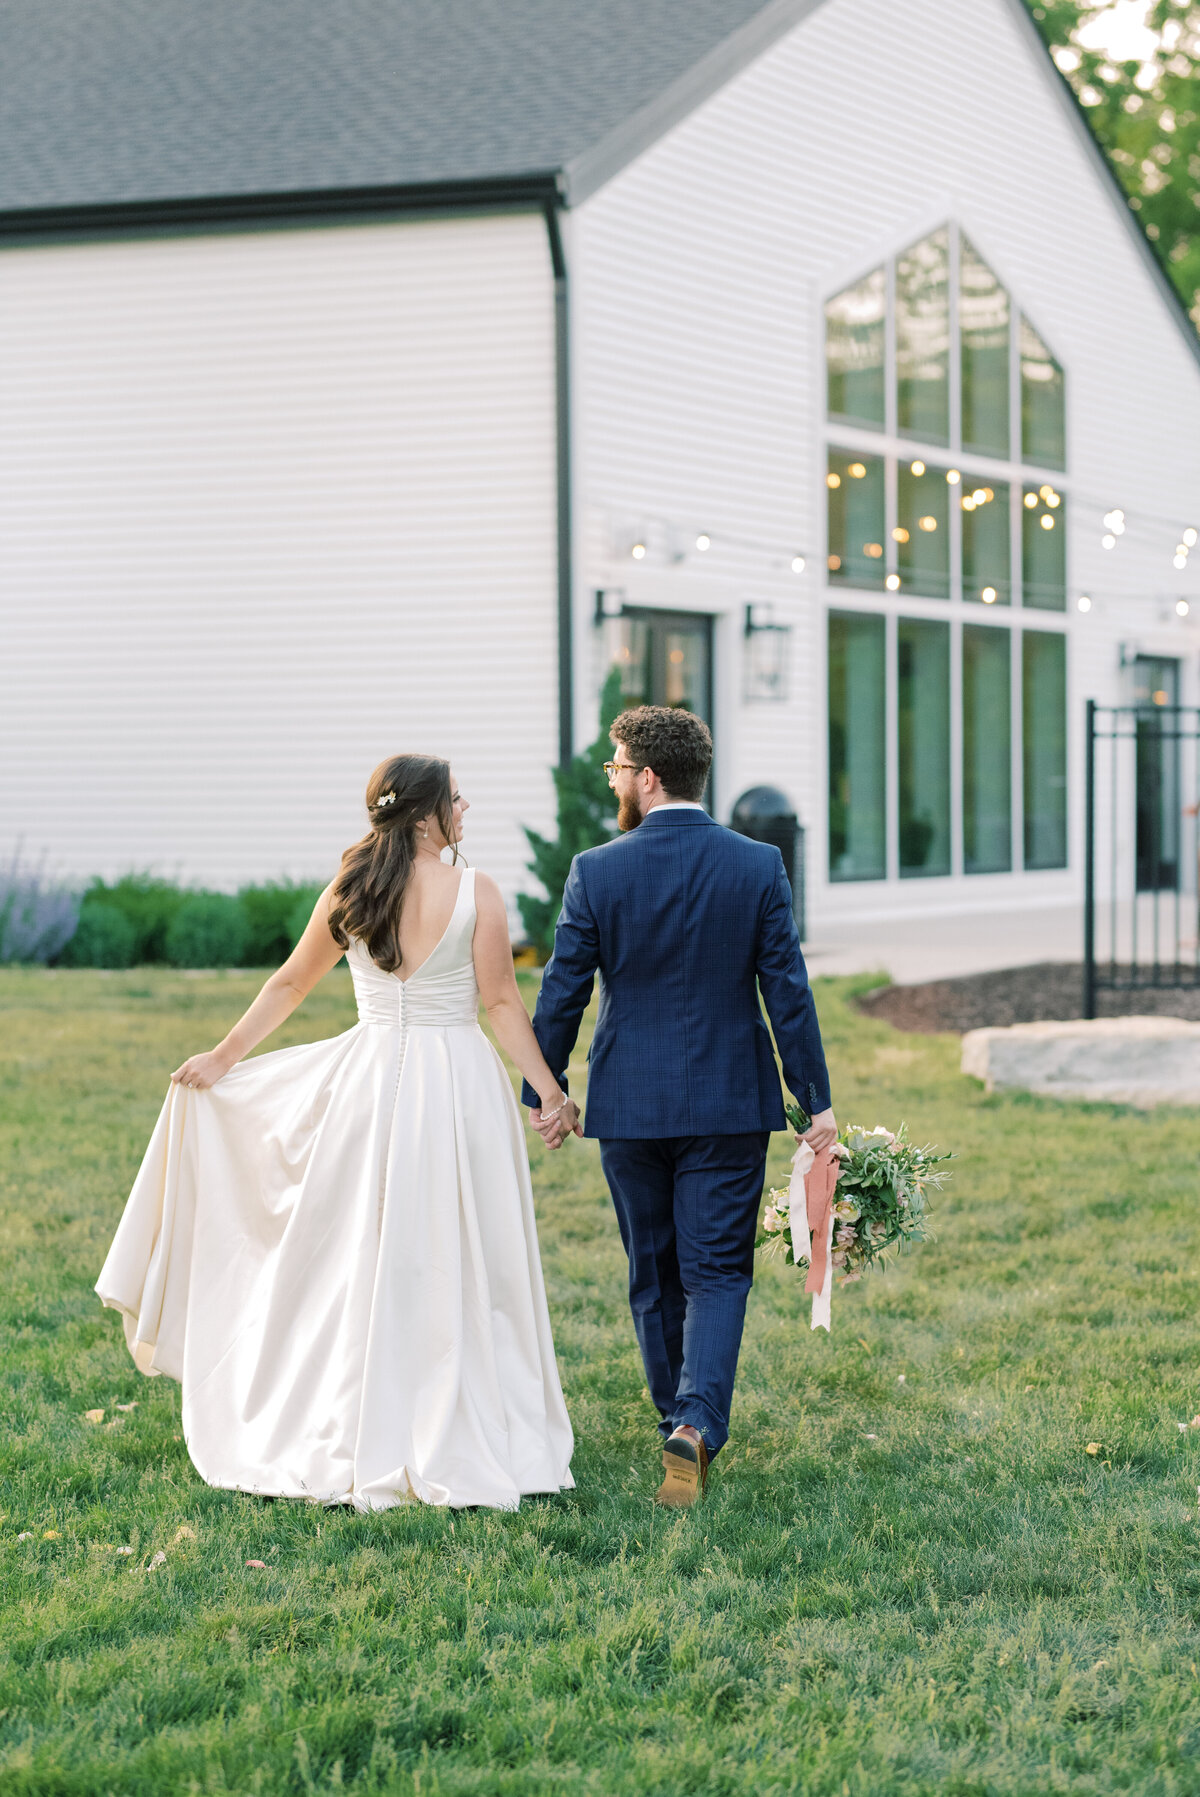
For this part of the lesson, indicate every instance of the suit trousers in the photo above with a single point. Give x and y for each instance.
(688, 1207)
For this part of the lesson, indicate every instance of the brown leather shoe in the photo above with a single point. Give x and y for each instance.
(685, 1459)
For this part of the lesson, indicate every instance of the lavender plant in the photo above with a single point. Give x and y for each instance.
(38, 914)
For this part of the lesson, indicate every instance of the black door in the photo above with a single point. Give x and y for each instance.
(1156, 693)
(665, 658)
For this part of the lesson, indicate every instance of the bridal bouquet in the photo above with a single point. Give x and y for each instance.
(863, 1197)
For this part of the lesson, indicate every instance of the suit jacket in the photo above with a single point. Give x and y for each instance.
(686, 922)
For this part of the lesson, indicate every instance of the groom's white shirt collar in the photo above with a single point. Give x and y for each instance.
(678, 805)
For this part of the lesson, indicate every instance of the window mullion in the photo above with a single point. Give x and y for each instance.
(956, 748)
(892, 723)
(1017, 745)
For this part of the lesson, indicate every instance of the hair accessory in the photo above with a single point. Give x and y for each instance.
(385, 798)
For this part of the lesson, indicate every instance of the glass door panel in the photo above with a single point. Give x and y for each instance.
(1157, 785)
(924, 747)
(1044, 728)
(987, 756)
(857, 775)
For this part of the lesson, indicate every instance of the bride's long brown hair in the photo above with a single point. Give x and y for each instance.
(373, 878)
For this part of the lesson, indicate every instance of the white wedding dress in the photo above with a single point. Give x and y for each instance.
(334, 1251)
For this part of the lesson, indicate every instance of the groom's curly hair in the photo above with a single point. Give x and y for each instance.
(675, 743)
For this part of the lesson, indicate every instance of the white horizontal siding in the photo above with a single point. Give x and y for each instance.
(273, 506)
(700, 272)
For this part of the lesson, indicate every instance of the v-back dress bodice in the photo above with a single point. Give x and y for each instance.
(441, 993)
(334, 1250)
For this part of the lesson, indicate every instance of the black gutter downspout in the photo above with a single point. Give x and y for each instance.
(562, 383)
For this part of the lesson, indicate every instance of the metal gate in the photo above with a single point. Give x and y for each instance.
(1141, 917)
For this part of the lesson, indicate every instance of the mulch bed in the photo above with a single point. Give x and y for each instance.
(1050, 991)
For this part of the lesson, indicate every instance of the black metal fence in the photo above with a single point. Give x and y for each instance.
(1141, 919)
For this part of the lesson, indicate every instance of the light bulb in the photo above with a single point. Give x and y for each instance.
(988, 595)
(1047, 522)
(952, 477)
(927, 523)
(1030, 500)
(1189, 537)
(1181, 608)
(1108, 542)
(918, 467)
(1047, 493)
(900, 535)
(969, 502)
(1054, 499)
(1181, 561)
(703, 541)
(1083, 602)
(981, 496)
(797, 564)
(892, 583)
(857, 471)
(833, 480)
(638, 551)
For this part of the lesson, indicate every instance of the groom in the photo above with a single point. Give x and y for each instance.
(686, 924)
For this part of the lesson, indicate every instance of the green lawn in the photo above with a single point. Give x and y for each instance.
(910, 1575)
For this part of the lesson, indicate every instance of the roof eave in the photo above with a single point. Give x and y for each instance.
(534, 189)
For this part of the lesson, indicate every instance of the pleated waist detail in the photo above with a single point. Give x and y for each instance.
(431, 999)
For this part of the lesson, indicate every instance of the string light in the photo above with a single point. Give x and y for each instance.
(704, 541)
(1108, 542)
(988, 595)
(1083, 602)
(1030, 500)
(1181, 561)
(1046, 521)
(952, 477)
(892, 583)
(1189, 537)
(797, 564)
(918, 468)
(1181, 608)
(638, 552)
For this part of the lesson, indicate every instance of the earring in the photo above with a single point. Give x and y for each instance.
(425, 833)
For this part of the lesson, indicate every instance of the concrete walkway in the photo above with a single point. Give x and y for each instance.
(910, 951)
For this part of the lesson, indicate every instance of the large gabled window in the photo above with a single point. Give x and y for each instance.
(930, 351)
(947, 740)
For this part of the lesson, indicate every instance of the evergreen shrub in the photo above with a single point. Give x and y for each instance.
(275, 914)
(104, 937)
(148, 904)
(208, 930)
(587, 816)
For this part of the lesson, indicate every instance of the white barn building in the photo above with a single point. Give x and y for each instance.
(377, 372)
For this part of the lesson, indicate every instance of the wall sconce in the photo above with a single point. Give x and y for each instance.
(765, 662)
(610, 603)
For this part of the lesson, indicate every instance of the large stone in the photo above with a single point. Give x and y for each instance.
(1118, 1060)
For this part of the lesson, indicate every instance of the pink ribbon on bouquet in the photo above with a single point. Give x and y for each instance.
(818, 1175)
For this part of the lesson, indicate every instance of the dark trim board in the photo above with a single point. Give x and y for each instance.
(258, 211)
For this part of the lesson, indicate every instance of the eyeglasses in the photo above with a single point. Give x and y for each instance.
(612, 768)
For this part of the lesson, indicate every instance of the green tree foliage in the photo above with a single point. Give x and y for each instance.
(1148, 120)
(587, 816)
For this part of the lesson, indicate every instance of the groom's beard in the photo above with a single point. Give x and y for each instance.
(629, 814)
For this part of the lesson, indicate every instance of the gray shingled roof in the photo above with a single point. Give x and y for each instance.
(118, 101)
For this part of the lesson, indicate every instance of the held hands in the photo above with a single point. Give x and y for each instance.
(821, 1132)
(555, 1124)
(202, 1070)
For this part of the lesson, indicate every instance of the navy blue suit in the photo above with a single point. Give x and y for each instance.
(686, 923)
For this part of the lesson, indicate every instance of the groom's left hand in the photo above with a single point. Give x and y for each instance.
(555, 1130)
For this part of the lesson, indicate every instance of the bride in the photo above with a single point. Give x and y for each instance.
(332, 1247)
